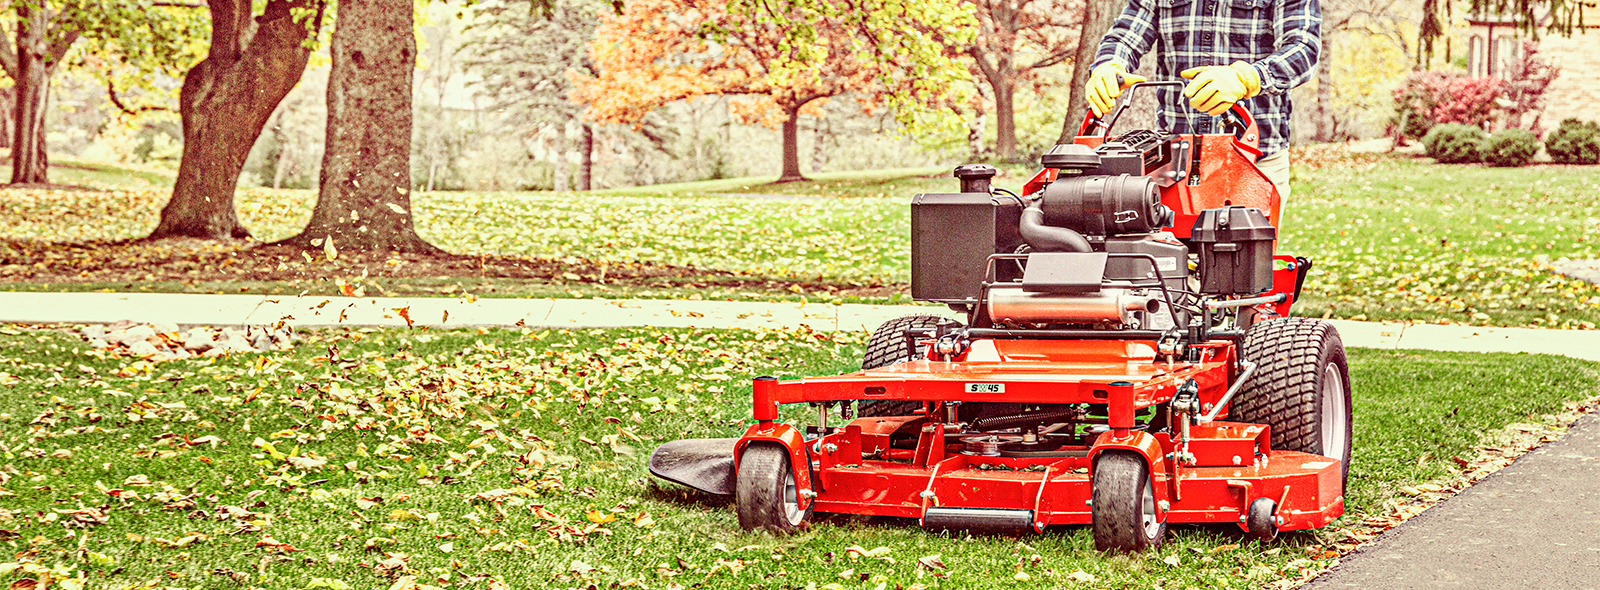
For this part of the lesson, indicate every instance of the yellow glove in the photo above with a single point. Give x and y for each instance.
(1216, 88)
(1106, 84)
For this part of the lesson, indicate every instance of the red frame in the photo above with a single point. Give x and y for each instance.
(852, 469)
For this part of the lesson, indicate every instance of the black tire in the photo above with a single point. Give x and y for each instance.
(765, 492)
(887, 347)
(1124, 511)
(1262, 519)
(1301, 387)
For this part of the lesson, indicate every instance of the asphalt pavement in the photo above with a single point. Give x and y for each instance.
(1533, 524)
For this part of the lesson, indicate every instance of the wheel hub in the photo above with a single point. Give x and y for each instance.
(1335, 442)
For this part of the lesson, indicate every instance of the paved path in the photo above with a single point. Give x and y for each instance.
(309, 311)
(1534, 524)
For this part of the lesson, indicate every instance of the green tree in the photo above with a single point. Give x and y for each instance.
(147, 34)
(1015, 39)
(524, 53)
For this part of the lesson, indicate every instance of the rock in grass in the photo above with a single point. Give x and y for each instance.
(143, 348)
(198, 340)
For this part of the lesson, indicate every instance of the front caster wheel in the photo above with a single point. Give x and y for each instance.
(1262, 519)
(765, 491)
(1124, 512)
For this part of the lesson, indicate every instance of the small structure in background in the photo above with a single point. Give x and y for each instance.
(1495, 46)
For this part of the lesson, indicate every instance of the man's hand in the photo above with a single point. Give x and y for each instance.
(1216, 88)
(1106, 83)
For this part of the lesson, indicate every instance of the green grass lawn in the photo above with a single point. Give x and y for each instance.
(1398, 239)
(462, 457)
(1392, 238)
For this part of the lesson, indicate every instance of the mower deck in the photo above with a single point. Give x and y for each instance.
(857, 469)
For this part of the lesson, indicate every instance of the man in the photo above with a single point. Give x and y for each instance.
(1246, 51)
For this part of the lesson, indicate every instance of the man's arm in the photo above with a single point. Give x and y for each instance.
(1132, 35)
(1298, 28)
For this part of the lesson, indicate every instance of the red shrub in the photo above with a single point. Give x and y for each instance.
(1470, 101)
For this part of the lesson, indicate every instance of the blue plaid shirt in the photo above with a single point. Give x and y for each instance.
(1281, 38)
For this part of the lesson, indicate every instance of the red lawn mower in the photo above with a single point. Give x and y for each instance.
(1126, 362)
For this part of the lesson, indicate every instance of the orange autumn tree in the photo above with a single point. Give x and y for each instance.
(783, 57)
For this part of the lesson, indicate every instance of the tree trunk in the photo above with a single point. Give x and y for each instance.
(562, 174)
(585, 157)
(1005, 118)
(364, 202)
(285, 154)
(791, 147)
(1097, 19)
(1322, 109)
(225, 102)
(29, 163)
(8, 104)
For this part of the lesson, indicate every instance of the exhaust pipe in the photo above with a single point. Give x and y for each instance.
(1009, 303)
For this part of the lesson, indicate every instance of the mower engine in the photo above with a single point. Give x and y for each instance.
(1125, 361)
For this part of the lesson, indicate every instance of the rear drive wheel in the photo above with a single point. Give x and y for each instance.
(765, 492)
(888, 346)
(1301, 388)
(1124, 511)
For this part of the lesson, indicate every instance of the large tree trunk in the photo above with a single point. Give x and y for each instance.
(29, 163)
(364, 202)
(791, 147)
(225, 102)
(1097, 19)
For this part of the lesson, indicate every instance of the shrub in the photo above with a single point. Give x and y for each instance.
(1454, 143)
(1431, 98)
(1574, 142)
(1510, 147)
(1415, 98)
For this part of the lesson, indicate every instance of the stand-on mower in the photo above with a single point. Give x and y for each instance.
(1126, 362)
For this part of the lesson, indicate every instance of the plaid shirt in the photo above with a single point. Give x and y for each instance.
(1281, 38)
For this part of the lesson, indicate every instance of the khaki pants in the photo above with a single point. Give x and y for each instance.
(1276, 167)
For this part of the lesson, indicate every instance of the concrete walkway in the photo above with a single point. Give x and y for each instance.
(311, 311)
